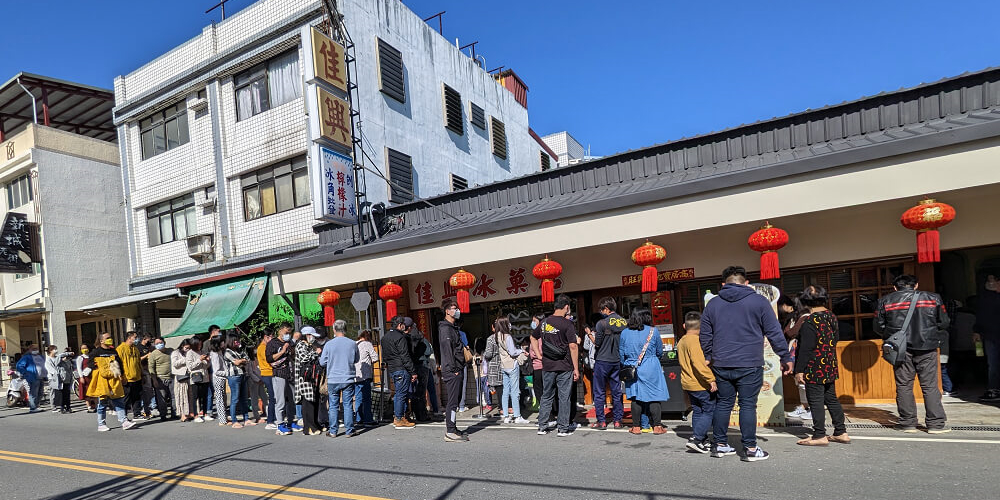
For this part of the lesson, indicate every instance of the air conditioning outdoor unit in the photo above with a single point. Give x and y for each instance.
(201, 248)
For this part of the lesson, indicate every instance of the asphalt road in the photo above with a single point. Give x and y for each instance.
(56, 456)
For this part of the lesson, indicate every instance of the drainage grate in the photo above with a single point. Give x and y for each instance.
(867, 426)
(979, 428)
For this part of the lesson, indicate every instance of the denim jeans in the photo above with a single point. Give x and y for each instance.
(606, 372)
(269, 383)
(553, 384)
(702, 413)
(733, 383)
(991, 347)
(236, 396)
(363, 401)
(511, 391)
(336, 402)
(34, 389)
(465, 383)
(102, 409)
(401, 380)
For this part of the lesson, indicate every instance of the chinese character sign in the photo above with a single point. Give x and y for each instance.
(671, 275)
(339, 201)
(328, 60)
(334, 118)
(425, 293)
(15, 244)
(484, 287)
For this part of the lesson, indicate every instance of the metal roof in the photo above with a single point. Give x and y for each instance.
(950, 111)
(131, 299)
(68, 106)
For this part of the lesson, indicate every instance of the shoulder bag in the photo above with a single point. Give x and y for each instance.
(627, 373)
(894, 347)
(550, 350)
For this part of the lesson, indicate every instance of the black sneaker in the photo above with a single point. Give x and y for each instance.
(991, 396)
(698, 446)
(756, 455)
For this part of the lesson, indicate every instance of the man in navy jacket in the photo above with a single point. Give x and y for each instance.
(733, 328)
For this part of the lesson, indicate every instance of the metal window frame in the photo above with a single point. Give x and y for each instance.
(171, 210)
(159, 119)
(295, 166)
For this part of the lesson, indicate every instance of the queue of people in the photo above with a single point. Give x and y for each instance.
(304, 382)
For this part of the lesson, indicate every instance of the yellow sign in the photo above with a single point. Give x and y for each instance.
(334, 118)
(328, 60)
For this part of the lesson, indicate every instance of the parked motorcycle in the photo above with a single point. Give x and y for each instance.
(17, 391)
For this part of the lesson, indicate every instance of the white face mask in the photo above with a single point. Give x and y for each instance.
(34, 352)
(534, 324)
(457, 314)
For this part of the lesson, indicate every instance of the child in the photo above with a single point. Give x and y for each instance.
(698, 382)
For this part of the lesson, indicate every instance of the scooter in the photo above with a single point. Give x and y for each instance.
(17, 391)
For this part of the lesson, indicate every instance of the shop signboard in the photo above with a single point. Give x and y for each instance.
(662, 276)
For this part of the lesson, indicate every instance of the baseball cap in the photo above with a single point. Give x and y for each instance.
(407, 321)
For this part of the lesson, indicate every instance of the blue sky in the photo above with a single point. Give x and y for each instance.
(616, 75)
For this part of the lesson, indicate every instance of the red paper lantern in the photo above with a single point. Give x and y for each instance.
(462, 281)
(768, 240)
(328, 298)
(925, 219)
(649, 255)
(389, 293)
(547, 270)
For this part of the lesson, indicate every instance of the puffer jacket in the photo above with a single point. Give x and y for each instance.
(102, 383)
(927, 329)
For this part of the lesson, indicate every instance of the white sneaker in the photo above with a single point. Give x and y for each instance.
(508, 419)
(103, 428)
(463, 409)
(797, 412)
(209, 418)
(128, 425)
(542, 432)
(299, 421)
(806, 415)
(553, 424)
(271, 427)
(520, 420)
(199, 419)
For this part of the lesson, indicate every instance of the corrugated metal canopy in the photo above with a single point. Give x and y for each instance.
(68, 106)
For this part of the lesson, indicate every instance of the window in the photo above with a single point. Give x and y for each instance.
(458, 183)
(163, 131)
(268, 85)
(546, 162)
(390, 71)
(400, 174)
(276, 188)
(453, 110)
(171, 220)
(499, 138)
(19, 192)
(477, 116)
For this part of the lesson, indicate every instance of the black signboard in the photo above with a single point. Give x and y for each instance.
(16, 244)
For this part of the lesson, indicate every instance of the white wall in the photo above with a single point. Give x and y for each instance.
(415, 128)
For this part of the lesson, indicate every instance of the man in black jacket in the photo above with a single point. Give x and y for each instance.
(607, 363)
(398, 358)
(927, 328)
(452, 367)
(418, 389)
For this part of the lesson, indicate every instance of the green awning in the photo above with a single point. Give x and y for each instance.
(226, 304)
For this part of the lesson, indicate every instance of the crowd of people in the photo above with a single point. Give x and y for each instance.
(303, 381)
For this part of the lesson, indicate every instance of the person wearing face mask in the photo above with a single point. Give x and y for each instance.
(452, 366)
(84, 367)
(536, 364)
(236, 366)
(130, 356)
(145, 347)
(279, 355)
(607, 363)
(108, 383)
(398, 356)
(60, 379)
(31, 366)
(559, 365)
(184, 396)
(306, 388)
(267, 377)
(160, 375)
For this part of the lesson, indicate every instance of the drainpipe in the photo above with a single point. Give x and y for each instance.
(34, 104)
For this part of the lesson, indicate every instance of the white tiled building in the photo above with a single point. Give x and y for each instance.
(566, 147)
(213, 134)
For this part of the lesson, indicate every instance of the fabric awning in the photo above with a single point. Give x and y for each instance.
(131, 299)
(226, 304)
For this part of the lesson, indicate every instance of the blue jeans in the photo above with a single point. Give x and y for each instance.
(363, 401)
(336, 402)
(946, 384)
(235, 401)
(102, 409)
(511, 391)
(34, 390)
(743, 383)
(401, 379)
(269, 383)
(606, 372)
(702, 413)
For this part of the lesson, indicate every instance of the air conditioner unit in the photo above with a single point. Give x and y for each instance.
(208, 203)
(198, 104)
(201, 248)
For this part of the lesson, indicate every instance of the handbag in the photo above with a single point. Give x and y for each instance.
(467, 354)
(197, 378)
(627, 373)
(894, 347)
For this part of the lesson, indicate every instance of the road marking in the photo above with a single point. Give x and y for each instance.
(179, 478)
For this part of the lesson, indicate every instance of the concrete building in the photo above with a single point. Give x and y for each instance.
(837, 179)
(213, 137)
(59, 167)
(568, 149)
